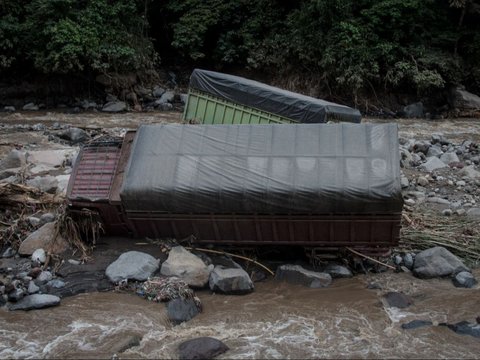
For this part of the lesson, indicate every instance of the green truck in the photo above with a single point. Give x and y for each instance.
(217, 98)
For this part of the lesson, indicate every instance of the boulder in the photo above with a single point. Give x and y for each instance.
(132, 265)
(398, 300)
(434, 151)
(449, 157)
(52, 158)
(48, 184)
(44, 277)
(36, 301)
(32, 287)
(415, 324)
(43, 238)
(463, 100)
(114, 106)
(437, 262)
(9, 108)
(180, 310)
(75, 135)
(201, 348)
(473, 212)
(30, 107)
(470, 172)
(464, 279)
(295, 274)
(158, 91)
(14, 159)
(433, 163)
(88, 104)
(166, 97)
(408, 261)
(186, 266)
(465, 328)
(338, 271)
(414, 110)
(230, 281)
(47, 218)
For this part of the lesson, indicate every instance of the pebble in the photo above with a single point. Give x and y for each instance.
(447, 212)
(44, 277)
(32, 288)
(39, 255)
(460, 183)
(410, 202)
(408, 261)
(460, 211)
(422, 181)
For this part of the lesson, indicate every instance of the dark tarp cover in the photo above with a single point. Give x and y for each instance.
(301, 108)
(264, 169)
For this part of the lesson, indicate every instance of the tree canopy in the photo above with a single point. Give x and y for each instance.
(346, 46)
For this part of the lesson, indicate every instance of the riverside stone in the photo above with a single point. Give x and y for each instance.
(201, 348)
(398, 300)
(338, 271)
(296, 274)
(433, 163)
(230, 281)
(132, 265)
(464, 279)
(437, 262)
(186, 266)
(180, 310)
(36, 301)
(43, 238)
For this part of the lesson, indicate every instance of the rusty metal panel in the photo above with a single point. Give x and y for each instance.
(94, 171)
(376, 231)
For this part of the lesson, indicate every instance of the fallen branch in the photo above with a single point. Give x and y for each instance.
(370, 258)
(233, 255)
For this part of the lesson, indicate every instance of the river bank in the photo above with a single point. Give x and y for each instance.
(277, 320)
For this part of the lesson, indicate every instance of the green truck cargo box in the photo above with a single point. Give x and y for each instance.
(216, 98)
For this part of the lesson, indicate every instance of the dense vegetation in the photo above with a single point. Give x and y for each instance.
(344, 47)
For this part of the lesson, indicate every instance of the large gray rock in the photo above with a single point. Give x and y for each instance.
(230, 281)
(434, 151)
(180, 310)
(14, 159)
(295, 274)
(201, 348)
(473, 212)
(398, 300)
(464, 100)
(414, 110)
(186, 266)
(166, 97)
(338, 271)
(464, 279)
(43, 238)
(470, 172)
(449, 157)
(30, 107)
(437, 262)
(132, 265)
(158, 91)
(75, 135)
(52, 158)
(48, 184)
(114, 106)
(433, 163)
(36, 301)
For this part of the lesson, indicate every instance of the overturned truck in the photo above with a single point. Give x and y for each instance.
(324, 186)
(217, 98)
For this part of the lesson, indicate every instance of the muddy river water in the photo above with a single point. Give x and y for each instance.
(277, 320)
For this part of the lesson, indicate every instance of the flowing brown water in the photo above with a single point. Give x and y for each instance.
(278, 320)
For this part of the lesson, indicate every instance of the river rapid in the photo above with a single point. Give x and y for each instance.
(277, 320)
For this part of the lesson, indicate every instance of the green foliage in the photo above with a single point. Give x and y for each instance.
(349, 46)
(66, 36)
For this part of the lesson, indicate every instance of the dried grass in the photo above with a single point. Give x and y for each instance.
(81, 229)
(426, 229)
